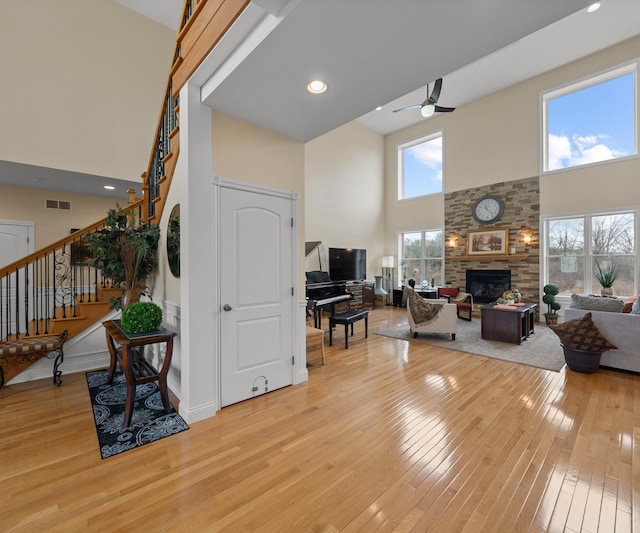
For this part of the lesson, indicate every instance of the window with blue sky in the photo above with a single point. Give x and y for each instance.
(420, 167)
(592, 120)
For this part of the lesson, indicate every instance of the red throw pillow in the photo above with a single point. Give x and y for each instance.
(582, 334)
(628, 304)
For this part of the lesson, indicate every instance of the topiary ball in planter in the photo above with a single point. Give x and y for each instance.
(141, 317)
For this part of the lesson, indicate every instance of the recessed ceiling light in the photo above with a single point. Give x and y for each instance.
(594, 7)
(109, 187)
(379, 108)
(316, 87)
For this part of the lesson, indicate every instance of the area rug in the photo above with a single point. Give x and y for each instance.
(542, 349)
(148, 423)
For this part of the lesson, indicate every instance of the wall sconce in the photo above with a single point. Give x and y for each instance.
(452, 242)
(527, 238)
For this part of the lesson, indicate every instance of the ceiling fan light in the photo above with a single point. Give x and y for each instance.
(427, 110)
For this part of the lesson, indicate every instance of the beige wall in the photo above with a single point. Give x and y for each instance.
(344, 191)
(83, 83)
(496, 139)
(27, 204)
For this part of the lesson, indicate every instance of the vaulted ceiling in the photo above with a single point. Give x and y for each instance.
(383, 53)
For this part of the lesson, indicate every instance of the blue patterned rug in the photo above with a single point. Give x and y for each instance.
(148, 423)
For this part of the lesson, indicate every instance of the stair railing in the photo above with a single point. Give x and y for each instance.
(203, 22)
(49, 284)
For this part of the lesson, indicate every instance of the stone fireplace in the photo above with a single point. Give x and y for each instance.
(521, 217)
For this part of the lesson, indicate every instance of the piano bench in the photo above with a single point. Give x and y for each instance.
(315, 344)
(346, 318)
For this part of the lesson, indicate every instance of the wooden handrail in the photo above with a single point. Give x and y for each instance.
(69, 239)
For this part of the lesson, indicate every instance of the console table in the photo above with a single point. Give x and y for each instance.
(511, 324)
(130, 354)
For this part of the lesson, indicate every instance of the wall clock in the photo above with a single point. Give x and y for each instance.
(488, 209)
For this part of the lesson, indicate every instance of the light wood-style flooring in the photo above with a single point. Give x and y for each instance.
(387, 436)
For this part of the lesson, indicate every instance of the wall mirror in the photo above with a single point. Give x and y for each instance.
(173, 241)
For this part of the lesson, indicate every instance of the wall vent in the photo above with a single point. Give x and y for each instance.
(58, 204)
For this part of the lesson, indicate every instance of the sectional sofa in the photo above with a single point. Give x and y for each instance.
(621, 328)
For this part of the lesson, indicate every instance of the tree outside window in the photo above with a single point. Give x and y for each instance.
(577, 245)
(423, 255)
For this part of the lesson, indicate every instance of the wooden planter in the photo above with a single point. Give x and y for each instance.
(581, 360)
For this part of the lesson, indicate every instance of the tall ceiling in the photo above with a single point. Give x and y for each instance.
(374, 52)
(384, 53)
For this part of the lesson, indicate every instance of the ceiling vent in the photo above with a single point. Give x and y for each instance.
(58, 204)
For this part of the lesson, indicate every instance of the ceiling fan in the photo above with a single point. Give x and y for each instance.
(429, 107)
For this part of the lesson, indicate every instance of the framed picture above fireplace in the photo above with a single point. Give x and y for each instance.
(494, 241)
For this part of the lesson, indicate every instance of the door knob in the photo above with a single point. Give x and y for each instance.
(227, 307)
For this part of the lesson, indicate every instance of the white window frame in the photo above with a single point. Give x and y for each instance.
(574, 86)
(588, 253)
(400, 156)
(422, 257)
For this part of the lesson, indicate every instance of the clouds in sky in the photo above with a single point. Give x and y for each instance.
(567, 152)
(429, 154)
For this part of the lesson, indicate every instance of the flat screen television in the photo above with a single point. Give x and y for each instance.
(347, 264)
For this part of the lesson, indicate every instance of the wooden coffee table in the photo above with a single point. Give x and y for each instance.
(511, 324)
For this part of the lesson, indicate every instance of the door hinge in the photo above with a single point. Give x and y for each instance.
(292, 222)
(293, 291)
(293, 359)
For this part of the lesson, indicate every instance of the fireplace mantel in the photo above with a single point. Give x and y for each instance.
(506, 257)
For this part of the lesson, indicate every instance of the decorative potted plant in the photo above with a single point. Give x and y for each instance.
(125, 251)
(141, 317)
(550, 292)
(606, 275)
(448, 283)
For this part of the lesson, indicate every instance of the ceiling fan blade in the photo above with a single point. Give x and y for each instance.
(444, 109)
(414, 106)
(436, 91)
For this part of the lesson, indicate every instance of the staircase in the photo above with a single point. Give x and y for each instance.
(50, 291)
(54, 289)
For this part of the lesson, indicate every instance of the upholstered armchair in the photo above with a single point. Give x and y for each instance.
(463, 300)
(430, 315)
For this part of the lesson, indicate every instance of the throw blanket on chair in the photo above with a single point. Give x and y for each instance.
(422, 311)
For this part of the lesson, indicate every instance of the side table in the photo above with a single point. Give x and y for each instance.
(511, 324)
(130, 354)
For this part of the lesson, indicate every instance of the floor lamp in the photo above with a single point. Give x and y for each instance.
(387, 274)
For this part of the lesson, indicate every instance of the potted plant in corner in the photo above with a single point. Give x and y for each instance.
(606, 275)
(125, 251)
(551, 290)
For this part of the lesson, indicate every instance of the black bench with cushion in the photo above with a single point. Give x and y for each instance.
(346, 318)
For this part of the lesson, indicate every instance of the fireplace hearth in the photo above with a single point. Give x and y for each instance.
(487, 285)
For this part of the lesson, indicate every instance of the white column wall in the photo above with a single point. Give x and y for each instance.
(198, 261)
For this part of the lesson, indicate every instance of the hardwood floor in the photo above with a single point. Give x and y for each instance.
(387, 436)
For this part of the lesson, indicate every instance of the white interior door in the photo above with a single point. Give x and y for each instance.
(256, 285)
(16, 241)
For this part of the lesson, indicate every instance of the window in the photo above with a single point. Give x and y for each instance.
(420, 167)
(575, 246)
(422, 256)
(590, 121)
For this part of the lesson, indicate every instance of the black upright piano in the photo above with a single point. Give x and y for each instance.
(322, 292)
